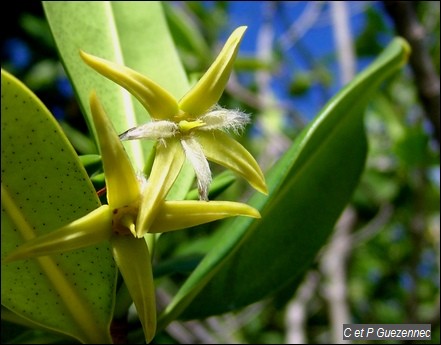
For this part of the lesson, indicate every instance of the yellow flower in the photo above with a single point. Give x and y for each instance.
(116, 221)
(192, 128)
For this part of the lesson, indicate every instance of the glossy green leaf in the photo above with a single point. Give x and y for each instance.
(186, 33)
(83, 143)
(134, 34)
(308, 189)
(44, 187)
(91, 163)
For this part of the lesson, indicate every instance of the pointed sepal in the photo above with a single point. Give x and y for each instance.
(220, 148)
(175, 215)
(160, 104)
(133, 260)
(208, 90)
(166, 167)
(121, 181)
(93, 228)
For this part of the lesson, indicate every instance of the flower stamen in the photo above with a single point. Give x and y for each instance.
(124, 220)
(186, 126)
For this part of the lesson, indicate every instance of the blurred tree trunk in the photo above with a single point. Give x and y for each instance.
(427, 81)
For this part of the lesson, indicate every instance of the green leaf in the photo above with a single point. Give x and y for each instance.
(80, 141)
(219, 184)
(43, 188)
(309, 187)
(91, 163)
(186, 33)
(134, 34)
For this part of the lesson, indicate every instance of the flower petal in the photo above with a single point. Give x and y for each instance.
(218, 147)
(121, 182)
(175, 215)
(89, 230)
(193, 152)
(225, 120)
(219, 184)
(133, 260)
(151, 130)
(208, 90)
(166, 167)
(160, 104)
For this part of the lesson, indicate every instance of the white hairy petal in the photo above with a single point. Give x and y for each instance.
(224, 119)
(151, 130)
(193, 152)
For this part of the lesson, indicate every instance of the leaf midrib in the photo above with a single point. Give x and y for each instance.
(77, 307)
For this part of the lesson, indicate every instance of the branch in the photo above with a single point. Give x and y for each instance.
(296, 311)
(343, 40)
(302, 25)
(426, 79)
(333, 263)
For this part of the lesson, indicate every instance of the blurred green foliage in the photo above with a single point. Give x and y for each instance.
(393, 268)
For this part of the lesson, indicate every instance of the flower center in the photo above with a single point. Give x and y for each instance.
(124, 220)
(186, 126)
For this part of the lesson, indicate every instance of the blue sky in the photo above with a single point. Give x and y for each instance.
(317, 40)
